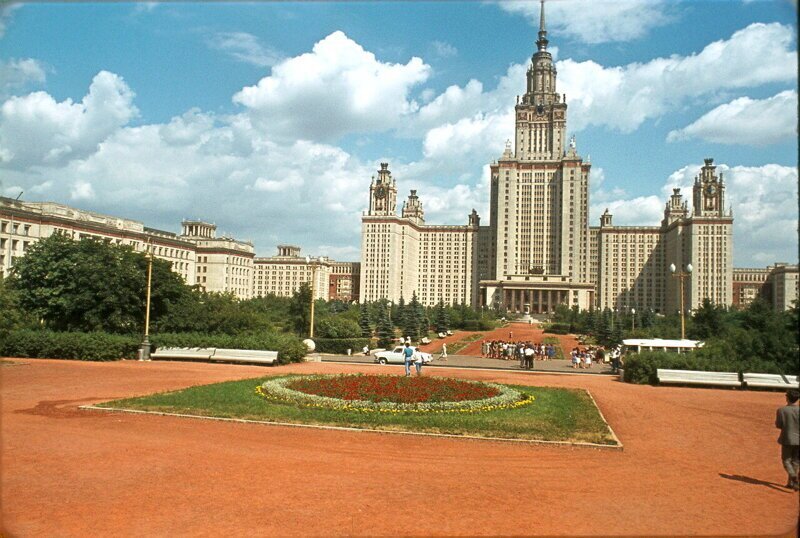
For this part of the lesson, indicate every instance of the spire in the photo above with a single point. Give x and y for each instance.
(542, 41)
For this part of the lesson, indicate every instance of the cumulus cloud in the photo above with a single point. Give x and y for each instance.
(763, 199)
(19, 73)
(336, 88)
(622, 98)
(245, 48)
(36, 129)
(5, 16)
(756, 122)
(605, 21)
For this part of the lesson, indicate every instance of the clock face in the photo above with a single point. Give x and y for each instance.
(540, 110)
(381, 192)
(711, 190)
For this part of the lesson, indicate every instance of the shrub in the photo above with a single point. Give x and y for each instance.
(557, 328)
(341, 345)
(68, 345)
(477, 325)
(337, 327)
(641, 368)
(290, 348)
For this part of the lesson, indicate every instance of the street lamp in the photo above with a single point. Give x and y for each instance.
(633, 319)
(313, 291)
(144, 353)
(681, 275)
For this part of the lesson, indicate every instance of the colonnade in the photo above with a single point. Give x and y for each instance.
(540, 301)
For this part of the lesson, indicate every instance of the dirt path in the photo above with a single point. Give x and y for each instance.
(517, 332)
(696, 461)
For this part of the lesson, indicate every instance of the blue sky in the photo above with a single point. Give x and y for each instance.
(270, 118)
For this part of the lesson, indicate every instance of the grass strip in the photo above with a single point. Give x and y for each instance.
(557, 414)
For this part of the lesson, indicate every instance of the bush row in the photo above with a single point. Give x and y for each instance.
(290, 348)
(68, 345)
(477, 325)
(641, 368)
(557, 328)
(341, 345)
(98, 346)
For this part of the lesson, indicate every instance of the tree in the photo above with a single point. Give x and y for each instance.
(442, 319)
(212, 313)
(363, 321)
(708, 321)
(92, 285)
(300, 309)
(385, 328)
(418, 313)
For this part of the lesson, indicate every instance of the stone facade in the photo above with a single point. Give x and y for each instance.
(283, 274)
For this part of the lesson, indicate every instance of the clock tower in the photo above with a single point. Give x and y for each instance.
(709, 192)
(383, 193)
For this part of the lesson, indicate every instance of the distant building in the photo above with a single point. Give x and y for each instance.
(634, 261)
(402, 256)
(749, 284)
(213, 264)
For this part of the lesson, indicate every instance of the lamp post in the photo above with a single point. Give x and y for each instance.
(681, 275)
(313, 291)
(144, 354)
(633, 319)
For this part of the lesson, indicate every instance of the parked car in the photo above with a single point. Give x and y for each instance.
(395, 356)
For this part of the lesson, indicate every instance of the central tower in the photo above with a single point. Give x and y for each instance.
(539, 228)
(541, 114)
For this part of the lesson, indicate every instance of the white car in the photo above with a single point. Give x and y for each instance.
(396, 356)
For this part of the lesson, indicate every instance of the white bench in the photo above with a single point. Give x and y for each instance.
(217, 354)
(692, 377)
(771, 381)
(201, 353)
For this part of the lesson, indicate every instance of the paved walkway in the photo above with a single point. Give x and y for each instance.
(462, 361)
(696, 462)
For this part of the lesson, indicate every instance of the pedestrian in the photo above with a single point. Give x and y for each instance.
(788, 420)
(575, 357)
(365, 351)
(408, 357)
(418, 361)
(444, 352)
(529, 357)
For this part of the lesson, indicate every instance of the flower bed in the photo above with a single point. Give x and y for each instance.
(392, 394)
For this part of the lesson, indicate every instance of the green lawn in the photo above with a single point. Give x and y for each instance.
(555, 415)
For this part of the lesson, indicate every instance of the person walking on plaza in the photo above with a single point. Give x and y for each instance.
(408, 358)
(788, 420)
(529, 357)
(418, 362)
(444, 352)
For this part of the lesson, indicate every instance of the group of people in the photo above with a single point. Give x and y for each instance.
(584, 358)
(525, 352)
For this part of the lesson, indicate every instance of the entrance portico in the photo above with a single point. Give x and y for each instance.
(541, 293)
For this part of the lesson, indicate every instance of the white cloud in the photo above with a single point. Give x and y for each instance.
(756, 122)
(763, 200)
(623, 98)
(602, 22)
(35, 129)
(337, 88)
(82, 190)
(443, 49)
(5, 16)
(18, 73)
(245, 48)
(145, 7)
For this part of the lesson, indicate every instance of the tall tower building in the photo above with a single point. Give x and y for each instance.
(539, 203)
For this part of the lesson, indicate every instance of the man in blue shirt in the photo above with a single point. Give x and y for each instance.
(408, 354)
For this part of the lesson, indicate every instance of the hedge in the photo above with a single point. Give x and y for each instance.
(95, 346)
(98, 346)
(641, 368)
(341, 345)
(477, 325)
(557, 328)
(290, 348)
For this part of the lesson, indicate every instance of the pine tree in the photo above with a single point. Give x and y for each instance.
(363, 321)
(385, 328)
(420, 318)
(442, 319)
